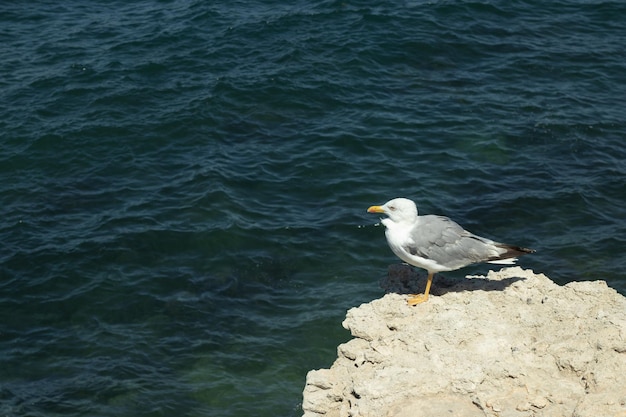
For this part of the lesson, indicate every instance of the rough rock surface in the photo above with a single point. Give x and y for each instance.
(513, 344)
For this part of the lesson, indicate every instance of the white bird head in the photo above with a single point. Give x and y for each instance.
(399, 210)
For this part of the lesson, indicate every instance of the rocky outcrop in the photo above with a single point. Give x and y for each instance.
(513, 344)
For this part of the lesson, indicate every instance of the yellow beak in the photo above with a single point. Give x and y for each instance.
(376, 209)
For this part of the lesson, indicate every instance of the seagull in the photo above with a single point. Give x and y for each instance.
(436, 243)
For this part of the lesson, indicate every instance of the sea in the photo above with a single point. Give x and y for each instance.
(184, 183)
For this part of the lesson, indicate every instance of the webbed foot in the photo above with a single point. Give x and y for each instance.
(417, 299)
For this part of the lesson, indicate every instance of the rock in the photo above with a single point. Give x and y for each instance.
(513, 344)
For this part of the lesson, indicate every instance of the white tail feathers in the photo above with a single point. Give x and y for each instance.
(507, 261)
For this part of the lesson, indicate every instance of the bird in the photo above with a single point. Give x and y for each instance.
(437, 243)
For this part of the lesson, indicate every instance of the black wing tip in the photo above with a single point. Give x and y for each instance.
(514, 251)
(525, 250)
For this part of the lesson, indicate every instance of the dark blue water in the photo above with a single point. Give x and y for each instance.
(184, 183)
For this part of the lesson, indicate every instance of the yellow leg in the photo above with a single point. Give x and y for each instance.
(420, 298)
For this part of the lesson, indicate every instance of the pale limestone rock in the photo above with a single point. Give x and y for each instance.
(513, 344)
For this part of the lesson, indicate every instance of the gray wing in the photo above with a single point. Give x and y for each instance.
(444, 241)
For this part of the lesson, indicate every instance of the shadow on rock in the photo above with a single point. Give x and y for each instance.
(404, 279)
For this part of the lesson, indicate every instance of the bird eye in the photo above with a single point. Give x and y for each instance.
(392, 208)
